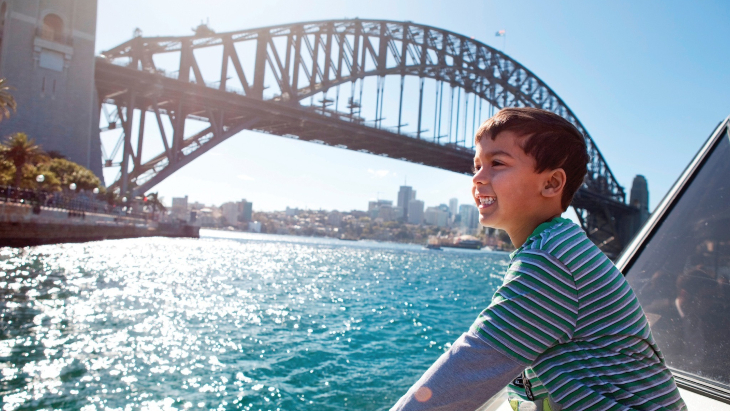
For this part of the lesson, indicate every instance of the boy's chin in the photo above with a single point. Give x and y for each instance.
(486, 222)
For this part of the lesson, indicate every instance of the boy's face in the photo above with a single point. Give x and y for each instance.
(505, 186)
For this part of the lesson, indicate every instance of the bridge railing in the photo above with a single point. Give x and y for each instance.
(74, 202)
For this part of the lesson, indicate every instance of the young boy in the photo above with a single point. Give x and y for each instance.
(564, 331)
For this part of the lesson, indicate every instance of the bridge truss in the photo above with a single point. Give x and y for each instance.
(288, 80)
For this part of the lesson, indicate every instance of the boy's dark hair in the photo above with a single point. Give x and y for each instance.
(550, 139)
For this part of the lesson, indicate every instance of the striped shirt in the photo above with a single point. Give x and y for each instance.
(568, 315)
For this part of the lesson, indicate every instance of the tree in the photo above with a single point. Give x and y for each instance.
(155, 202)
(69, 172)
(20, 151)
(7, 172)
(7, 101)
(55, 154)
(30, 178)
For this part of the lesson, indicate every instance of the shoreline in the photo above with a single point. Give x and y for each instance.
(23, 225)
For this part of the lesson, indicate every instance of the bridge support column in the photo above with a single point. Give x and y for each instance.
(179, 132)
(260, 65)
(420, 110)
(127, 151)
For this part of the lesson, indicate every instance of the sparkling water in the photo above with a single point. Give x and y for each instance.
(231, 321)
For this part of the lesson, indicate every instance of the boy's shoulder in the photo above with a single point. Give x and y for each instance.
(555, 237)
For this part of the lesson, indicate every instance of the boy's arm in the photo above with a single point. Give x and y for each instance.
(533, 310)
(463, 378)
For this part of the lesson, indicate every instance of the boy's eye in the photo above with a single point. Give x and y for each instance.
(497, 163)
(475, 168)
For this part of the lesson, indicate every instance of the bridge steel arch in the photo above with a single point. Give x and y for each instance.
(302, 60)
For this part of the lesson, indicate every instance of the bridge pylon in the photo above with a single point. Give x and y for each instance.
(47, 56)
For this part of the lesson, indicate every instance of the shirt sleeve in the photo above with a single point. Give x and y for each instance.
(535, 309)
(462, 379)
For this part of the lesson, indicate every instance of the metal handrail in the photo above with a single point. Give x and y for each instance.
(71, 201)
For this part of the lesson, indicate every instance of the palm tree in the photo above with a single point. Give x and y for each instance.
(154, 200)
(20, 150)
(7, 101)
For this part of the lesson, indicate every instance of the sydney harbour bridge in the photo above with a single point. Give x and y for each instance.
(396, 89)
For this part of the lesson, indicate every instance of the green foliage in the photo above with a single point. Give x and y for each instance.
(20, 150)
(7, 101)
(7, 172)
(50, 182)
(22, 161)
(69, 172)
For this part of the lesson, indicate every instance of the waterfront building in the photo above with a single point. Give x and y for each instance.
(334, 219)
(230, 212)
(469, 216)
(415, 212)
(206, 217)
(254, 226)
(180, 207)
(47, 51)
(436, 216)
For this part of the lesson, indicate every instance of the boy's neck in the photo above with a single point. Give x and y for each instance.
(521, 233)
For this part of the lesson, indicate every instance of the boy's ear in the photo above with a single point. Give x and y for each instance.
(555, 183)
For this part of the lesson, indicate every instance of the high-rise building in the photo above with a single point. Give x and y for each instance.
(436, 216)
(387, 212)
(246, 210)
(415, 212)
(374, 207)
(405, 195)
(47, 55)
(469, 216)
(454, 207)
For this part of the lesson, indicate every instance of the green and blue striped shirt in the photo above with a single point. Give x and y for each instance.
(568, 315)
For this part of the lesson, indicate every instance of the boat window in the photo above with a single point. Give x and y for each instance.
(682, 276)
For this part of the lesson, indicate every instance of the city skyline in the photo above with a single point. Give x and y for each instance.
(447, 203)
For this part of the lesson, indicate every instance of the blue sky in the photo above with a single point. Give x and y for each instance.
(649, 81)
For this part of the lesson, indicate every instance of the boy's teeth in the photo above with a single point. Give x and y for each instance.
(486, 200)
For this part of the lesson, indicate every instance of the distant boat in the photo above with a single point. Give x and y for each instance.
(469, 244)
(433, 243)
(465, 241)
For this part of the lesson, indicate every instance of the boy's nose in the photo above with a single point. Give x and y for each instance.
(480, 177)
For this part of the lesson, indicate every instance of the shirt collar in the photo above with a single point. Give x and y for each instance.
(539, 230)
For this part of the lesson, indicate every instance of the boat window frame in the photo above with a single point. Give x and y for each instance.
(689, 382)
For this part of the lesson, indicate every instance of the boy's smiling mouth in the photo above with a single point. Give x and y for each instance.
(485, 201)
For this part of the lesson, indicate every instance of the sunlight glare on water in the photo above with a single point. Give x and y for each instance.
(230, 321)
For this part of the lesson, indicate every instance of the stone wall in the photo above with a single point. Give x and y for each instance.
(24, 225)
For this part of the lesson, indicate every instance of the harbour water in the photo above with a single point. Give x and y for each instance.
(230, 321)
